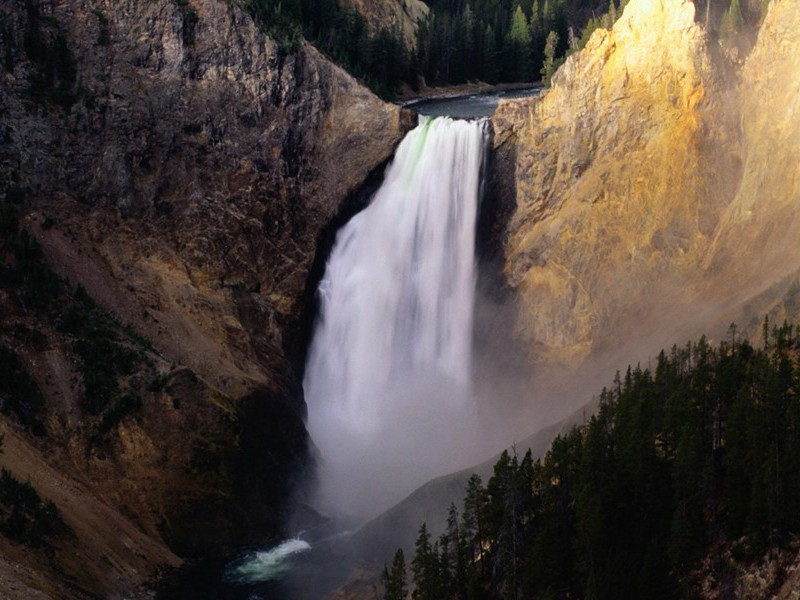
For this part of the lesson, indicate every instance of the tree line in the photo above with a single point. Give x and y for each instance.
(462, 40)
(701, 451)
(466, 40)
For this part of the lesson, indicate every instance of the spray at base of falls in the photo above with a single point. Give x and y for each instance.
(266, 565)
(388, 375)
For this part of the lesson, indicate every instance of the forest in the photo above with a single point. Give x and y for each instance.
(492, 41)
(698, 453)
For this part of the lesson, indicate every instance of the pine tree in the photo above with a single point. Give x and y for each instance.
(548, 15)
(474, 520)
(489, 68)
(548, 67)
(519, 47)
(735, 12)
(394, 580)
(731, 23)
(425, 567)
(536, 18)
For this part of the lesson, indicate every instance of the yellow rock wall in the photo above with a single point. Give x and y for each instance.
(653, 180)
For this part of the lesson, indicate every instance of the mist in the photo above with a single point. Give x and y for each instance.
(390, 379)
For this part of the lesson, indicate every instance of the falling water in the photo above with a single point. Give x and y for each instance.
(388, 375)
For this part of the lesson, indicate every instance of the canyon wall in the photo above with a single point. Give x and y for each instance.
(655, 187)
(181, 169)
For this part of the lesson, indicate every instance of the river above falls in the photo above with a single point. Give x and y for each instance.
(472, 106)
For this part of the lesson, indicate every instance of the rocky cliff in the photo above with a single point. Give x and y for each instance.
(402, 15)
(654, 185)
(181, 169)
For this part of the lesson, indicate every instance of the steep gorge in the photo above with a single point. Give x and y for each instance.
(181, 168)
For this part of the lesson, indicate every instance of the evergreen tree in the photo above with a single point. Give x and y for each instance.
(425, 568)
(731, 23)
(704, 450)
(548, 68)
(536, 18)
(518, 48)
(489, 65)
(394, 580)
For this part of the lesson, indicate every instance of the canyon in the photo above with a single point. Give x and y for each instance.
(189, 174)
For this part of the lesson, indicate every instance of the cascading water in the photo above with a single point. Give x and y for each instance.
(388, 375)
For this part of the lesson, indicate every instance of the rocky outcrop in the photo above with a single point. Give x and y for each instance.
(647, 187)
(404, 16)
(181, 168)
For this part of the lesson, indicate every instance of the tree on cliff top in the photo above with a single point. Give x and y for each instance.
(549, 66)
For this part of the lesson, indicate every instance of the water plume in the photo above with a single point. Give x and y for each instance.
(389, 369)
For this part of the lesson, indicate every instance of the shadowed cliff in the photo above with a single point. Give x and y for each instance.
(174, 163)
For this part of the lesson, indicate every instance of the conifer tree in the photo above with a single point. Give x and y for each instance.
(549, 56)
(489, 67)
(519, 47)
(425, 567)
(731, 23)
(394, 580)
(536, 18)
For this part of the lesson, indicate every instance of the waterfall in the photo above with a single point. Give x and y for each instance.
(388, 375)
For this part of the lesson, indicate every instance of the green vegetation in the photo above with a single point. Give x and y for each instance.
(104, 358)
(129, 404)
(23, 270)
(732, 21)
(499, 40)
(463, 40)
(702, 450)
(20, 396)
(380, 59)
(549, 65)
(24, 517)
(108, 352)
(394, 580)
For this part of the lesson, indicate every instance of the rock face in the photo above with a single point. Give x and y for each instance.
(182, 169)
(648, 190)
(403, 15)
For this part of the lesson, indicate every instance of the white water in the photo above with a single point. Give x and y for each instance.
(388, 375)
(266, 565)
